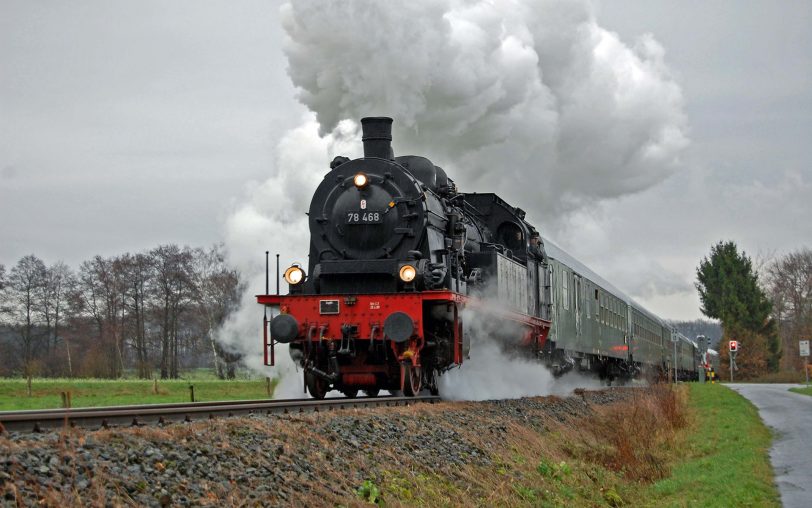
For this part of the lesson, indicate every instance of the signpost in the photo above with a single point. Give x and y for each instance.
(803, 346)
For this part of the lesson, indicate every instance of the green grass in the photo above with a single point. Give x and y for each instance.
(806, 390)
(46, 393)
(726, 459)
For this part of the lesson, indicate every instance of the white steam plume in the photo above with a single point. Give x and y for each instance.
(491, 372)
(504, 94)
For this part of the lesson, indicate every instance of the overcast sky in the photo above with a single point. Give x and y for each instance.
(124, 125)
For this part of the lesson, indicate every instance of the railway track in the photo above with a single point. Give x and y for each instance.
(120, 416)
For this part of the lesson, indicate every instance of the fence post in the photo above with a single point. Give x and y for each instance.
(155, 386)
(192, 392)
(268, 386)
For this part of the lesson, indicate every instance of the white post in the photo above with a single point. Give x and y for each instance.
(730, 354)
(675, 362)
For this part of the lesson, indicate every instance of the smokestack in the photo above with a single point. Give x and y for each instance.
(377, 137)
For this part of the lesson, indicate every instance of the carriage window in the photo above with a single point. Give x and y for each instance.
(613, 306)
(565, 293)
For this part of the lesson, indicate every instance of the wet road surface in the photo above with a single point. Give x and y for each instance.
(790, 416)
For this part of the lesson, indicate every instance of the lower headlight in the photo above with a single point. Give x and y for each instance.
(294, 275)
(407, 273)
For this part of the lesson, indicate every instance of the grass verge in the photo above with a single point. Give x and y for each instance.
(805, 390)
(725, 459)
(46, 393)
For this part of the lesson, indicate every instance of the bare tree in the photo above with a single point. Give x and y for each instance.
(216, 291)
(98, 293)
(52, 299)
(790, 287)
(52, 303)
(172, 291)
(25, 283)
(137, 273)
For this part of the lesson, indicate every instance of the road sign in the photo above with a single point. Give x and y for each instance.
(803, 345)
(734, 346)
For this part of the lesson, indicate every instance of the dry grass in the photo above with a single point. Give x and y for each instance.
(634, 437)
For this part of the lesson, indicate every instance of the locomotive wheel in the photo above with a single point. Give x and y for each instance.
(372, 392)
(350, 393)
(412, 380)
(316, 386)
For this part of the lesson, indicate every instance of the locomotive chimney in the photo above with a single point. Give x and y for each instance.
(377, 137)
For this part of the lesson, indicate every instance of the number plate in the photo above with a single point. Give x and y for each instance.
(328, 306)
(364, 217)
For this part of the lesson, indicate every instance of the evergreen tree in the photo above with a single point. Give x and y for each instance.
(730, 292)
(729, 289)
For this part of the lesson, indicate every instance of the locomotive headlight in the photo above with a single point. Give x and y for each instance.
(294, 275)
(360, 180)
(407, 273)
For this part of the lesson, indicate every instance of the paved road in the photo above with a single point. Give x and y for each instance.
(790, 415)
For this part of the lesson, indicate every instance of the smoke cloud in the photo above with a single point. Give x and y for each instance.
(503, 94)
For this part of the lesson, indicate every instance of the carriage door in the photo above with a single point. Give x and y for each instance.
(577, 306)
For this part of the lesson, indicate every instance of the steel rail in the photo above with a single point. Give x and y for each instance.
(104, 417)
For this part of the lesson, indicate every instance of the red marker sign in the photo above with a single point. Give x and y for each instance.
(734, 346)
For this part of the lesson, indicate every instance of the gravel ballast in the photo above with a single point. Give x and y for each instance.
(270, 460)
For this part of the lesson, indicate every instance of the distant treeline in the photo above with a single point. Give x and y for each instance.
(154, 310)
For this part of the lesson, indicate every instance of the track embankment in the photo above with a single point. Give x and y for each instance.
(522, 451)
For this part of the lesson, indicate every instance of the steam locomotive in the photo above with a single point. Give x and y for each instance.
(404, 269)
